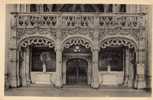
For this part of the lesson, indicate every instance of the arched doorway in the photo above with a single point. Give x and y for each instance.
(77, 61)
(117, 62)
(76, 71)
(37, 60)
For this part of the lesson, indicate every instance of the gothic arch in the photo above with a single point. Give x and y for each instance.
(77, 40)
(36, 40)
(112, 41)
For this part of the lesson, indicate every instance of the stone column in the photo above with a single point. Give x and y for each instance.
(17, 67)
(140, 75)
(89, 71)
(58, 67)
(148, 46)
(64, 71)
(58, 61)
(128, 69)
(12, 51)
(95, 72)
(141, 59)
(95, 55)
(27, 71)
(23, 65)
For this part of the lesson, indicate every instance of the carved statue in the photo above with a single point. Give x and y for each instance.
(44, 58)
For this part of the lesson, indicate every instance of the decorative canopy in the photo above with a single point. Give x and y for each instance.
(117, 42)
(77, 41)
(37, 42)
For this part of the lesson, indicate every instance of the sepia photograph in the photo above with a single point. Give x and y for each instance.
(78, 50)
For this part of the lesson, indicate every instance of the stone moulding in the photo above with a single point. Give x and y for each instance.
(37, 41)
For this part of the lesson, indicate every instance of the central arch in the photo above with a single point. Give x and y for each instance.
(77, 49)
(76, 72)
(77, 40)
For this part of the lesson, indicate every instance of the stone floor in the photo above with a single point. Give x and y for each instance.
(75, 91)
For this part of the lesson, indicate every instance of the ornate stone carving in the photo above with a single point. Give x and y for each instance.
(76, 41)
(31, 20)
(71, 20)
(31, 31)
(37, 41)
(117, 42)
(84, 24)
(122, 21)
(78, 30)
(135, 33)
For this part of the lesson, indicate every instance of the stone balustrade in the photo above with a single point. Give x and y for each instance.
(83, 20)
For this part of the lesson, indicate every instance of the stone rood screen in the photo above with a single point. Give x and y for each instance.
(65, 47)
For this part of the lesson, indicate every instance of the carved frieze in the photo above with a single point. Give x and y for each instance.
(77, 30)
(31, 31)
(135, 33)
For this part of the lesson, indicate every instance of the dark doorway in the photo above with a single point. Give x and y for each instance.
(76, 73)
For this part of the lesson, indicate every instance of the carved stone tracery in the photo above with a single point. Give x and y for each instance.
(78, 30)
(32, 31)
(37, 41)
(77, 41)
(136, 34)
(117, 42)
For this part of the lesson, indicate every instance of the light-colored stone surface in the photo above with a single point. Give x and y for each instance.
(40, 77)
(111, 78)
(91, 30)
(76, 91)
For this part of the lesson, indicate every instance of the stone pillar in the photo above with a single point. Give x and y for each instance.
(12, 62)
(89, 71)
(126, 75)
(17, 68)
(140, 75)
(129, 71)
(141, 58)
(95, 55)
(58, 61)
(95, 72)
(64, 71)
(23, 65)
(148, 46)
(27, 71)
(58, 67)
